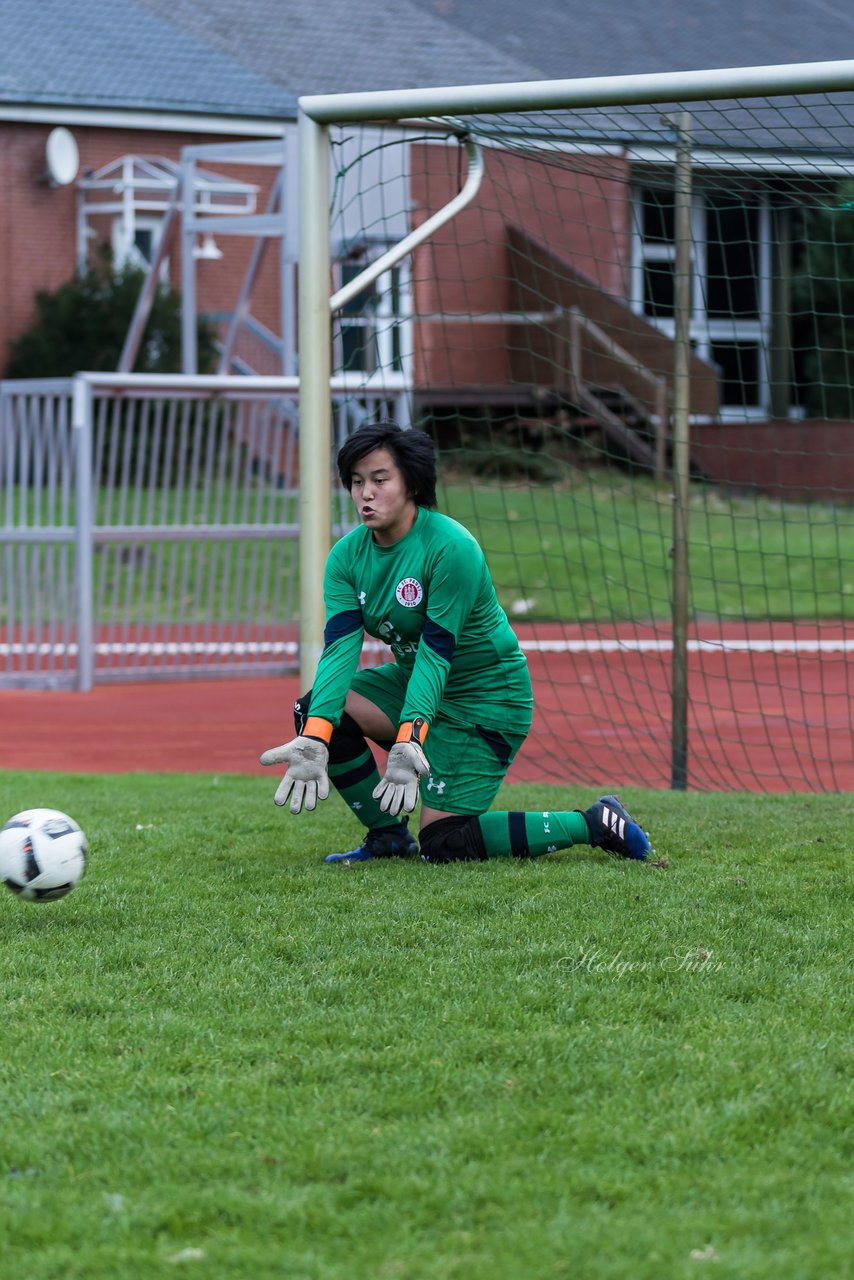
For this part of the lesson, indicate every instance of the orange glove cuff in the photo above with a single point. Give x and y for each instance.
(413, 731)
(316, 727)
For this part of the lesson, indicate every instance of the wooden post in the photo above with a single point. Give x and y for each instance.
(575, 350)
(681, 454)
(661, 425)
(781, 315)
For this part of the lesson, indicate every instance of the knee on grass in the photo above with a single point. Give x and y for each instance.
(454, 839)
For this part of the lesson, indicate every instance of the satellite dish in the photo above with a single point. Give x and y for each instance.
(62, 157)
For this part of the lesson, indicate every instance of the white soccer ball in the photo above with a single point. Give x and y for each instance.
(42, 854)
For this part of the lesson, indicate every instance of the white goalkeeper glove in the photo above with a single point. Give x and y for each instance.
(406, 766)
(306, 780)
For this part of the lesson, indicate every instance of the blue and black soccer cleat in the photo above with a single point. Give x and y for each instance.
(612, 828)
(386, 842)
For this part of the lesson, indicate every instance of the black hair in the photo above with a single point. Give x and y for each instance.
(412, 450)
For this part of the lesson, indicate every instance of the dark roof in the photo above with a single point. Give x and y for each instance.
(117, 54)
(339, 46)
(255, 57)
(568, 38)
(342, 46)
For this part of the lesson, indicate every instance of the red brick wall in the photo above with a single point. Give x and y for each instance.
(579, 206)
(38, 229)
(787, 460)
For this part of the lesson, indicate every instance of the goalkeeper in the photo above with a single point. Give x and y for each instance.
(453, 707)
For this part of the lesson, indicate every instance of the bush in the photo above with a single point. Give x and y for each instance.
(824, 304)
(83, 325)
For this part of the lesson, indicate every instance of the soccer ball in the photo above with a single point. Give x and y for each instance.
(42, 854)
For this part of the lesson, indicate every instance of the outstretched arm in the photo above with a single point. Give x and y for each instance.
(306, 756)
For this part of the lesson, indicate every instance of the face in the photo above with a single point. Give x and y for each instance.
(382, 501)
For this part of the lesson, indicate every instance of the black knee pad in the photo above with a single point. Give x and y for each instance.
(347, 741)
(454, 839)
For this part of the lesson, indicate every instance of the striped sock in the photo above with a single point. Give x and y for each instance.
(528, 835)
(354, 780)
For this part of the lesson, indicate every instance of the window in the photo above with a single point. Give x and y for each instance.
(739, 370)
(372, 329)
(136, 244)
(658, 252)
(730, 284)
(732, 258)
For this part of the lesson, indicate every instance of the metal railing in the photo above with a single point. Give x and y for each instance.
(657, 412)
(149, 526)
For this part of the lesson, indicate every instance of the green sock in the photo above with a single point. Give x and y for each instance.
(528, 835)
(354, 780)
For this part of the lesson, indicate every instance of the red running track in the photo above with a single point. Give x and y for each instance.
(766, 714)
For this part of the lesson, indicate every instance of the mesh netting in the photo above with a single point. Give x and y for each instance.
(534, 336)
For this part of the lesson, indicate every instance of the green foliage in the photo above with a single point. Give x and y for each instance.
(83, 325)
(823, 293)
(219, 1051)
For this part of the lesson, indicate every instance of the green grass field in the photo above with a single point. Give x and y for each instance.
(596, 546)
(222, 1058)
(599, 547)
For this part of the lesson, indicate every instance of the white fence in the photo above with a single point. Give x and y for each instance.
(149, 528)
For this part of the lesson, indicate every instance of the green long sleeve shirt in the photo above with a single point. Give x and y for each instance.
(431, 599)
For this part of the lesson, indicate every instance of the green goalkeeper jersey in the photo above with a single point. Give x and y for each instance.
(430, 598)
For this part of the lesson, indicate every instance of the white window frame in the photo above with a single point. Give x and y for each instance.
(383, 324)
(125, 251)
(705, 332)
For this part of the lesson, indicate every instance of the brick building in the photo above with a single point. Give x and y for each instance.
(146, 79)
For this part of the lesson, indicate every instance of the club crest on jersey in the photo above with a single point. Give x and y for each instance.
(409, 592)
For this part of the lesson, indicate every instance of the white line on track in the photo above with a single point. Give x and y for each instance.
(257, 648)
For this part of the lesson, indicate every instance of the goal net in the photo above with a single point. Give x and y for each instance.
(640, 308)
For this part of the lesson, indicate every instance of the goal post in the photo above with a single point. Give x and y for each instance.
(635, 351)
(315, 368)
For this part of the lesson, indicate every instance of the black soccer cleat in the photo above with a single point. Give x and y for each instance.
(386, 842)
(612, 828)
